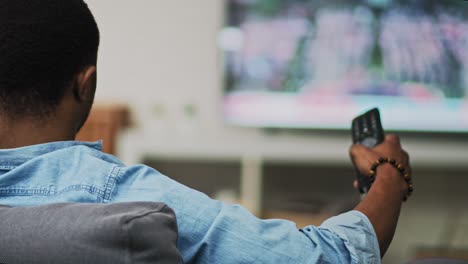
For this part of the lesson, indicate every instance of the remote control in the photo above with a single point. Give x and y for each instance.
(367, 130)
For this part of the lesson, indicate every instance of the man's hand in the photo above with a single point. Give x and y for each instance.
(363, 158)
(383, 202)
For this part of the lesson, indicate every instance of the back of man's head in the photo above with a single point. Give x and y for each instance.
(43, 45)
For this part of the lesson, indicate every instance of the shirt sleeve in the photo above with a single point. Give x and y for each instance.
(213, 232)
(358, 235)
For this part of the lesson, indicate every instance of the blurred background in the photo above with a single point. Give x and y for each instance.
(251, 102)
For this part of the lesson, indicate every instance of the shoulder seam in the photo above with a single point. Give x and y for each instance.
(110, 184)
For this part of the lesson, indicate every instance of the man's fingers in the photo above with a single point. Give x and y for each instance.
(362, 157)
(393, 139)
(357, 150)
(355, 184)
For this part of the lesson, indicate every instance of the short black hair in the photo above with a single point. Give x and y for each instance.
(43, 45)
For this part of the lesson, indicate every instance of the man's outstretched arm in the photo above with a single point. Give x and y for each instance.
(214, 232)
(383, 202)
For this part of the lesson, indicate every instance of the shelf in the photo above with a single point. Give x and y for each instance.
(427, 152)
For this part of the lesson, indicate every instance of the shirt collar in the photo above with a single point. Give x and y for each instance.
(18, 156)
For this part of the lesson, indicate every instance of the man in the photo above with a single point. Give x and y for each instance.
(48, 53)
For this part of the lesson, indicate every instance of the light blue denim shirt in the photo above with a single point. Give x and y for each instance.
(209, 231)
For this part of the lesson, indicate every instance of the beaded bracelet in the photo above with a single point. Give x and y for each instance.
(401, 170)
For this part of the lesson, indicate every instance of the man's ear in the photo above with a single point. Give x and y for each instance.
(85, 84)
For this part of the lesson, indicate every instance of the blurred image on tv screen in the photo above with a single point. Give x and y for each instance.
(317, 64)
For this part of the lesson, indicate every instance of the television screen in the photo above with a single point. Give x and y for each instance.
(317, 64)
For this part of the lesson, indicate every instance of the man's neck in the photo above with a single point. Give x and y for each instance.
(16, 133)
